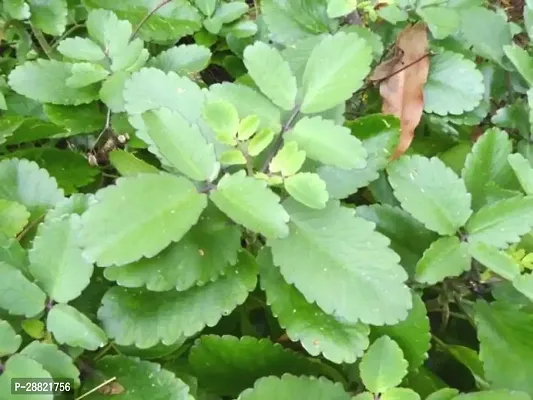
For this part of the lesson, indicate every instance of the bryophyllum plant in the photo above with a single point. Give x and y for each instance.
(277, 199)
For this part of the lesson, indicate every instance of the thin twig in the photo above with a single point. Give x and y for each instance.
(42, 41)
(64, 35)
(106, 127)
(145, 18)
(404, 67)
(279, 140)
(96, 388)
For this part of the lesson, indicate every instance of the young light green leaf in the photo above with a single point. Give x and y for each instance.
(18, 295)
(171, 314)
(409, 237)
(446, 257)
(232, 157)
(17, 9)
(308, 189)
(431, 192)
(56, 260)
(288, 160)
(523, 171)
(413, 334)
(56, 362)
(71, 327)
(329, 143)
(487, 163)
(49, 16)
(503, 330)
(129, 165)
(181, 143)
(379, 135)
(46, 81)
(242, 361)
(248, 126)
(522, 61)
(400, 394)
(79, 48)
(223, 118)
(260, 141)
(142, 379)
(13, 217)
(454, 85)
(19, 366)
(201, 256)
(294, 387)
(334, 248)
(495, 260)
(9, 340)
(85, 74)
(35, 328)
(524, 284)
(139, 216)
(319, 332)
(338, 8)
(383, 365)
(183, 60)
(443, 394)
(501, 223)
(274, 78)
(335, 69)
(250, 203)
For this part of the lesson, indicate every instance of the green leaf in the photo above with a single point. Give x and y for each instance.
(501, 223)
(409, 237)
(85, 74)
(12, 253)
(224, 119)
(454, 85)
(206, 6)
(487, 163)
(495, 260)
(129, 165)
(201, 256)
(35, 328)
(79, 48)
(46, 82)
(248, 101)
(393, 14)
(486, 31)
(446, 257)
(504, 331)
(294, 387)
(494, 395)
(227, 365)
(260, 141)
(17, 9)
(9, 340)
(329, 143)
(430, 192)
(140, 380)
(524, 284)
(412, 334)
(24, 182)
(319, 332)
(224, 14)
(56, 362)
(379, 135)
(181, 144)
(84, 118)
(232, 157)
(334, 248)
(443, 394)
(523, 171)
(522, 61)
(308, 189)
(338, 8)
(400, 394)
(71, 327)
(470, 359)
(250, 203)
(442, 21)
(288, 160)
(13, 217)
(383, 365)
(335, 69)
(184, 59)
(56, 260)
(112, 90)
(171, 22)
(144, 318)
(139, 216)
(274, 78)
(20, 366)
(18, 295)
(50, 16)
(247, 127)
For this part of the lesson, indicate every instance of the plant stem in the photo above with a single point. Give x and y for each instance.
(145, 18)
(42, 41)
(29, 227)
(96, 388)
(279, 140)
(64, 35)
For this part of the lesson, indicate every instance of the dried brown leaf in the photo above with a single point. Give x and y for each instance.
(402, 80)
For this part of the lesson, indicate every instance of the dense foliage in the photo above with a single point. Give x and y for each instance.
(278, 199)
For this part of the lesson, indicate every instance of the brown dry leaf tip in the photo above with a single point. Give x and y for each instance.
(402, 80)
